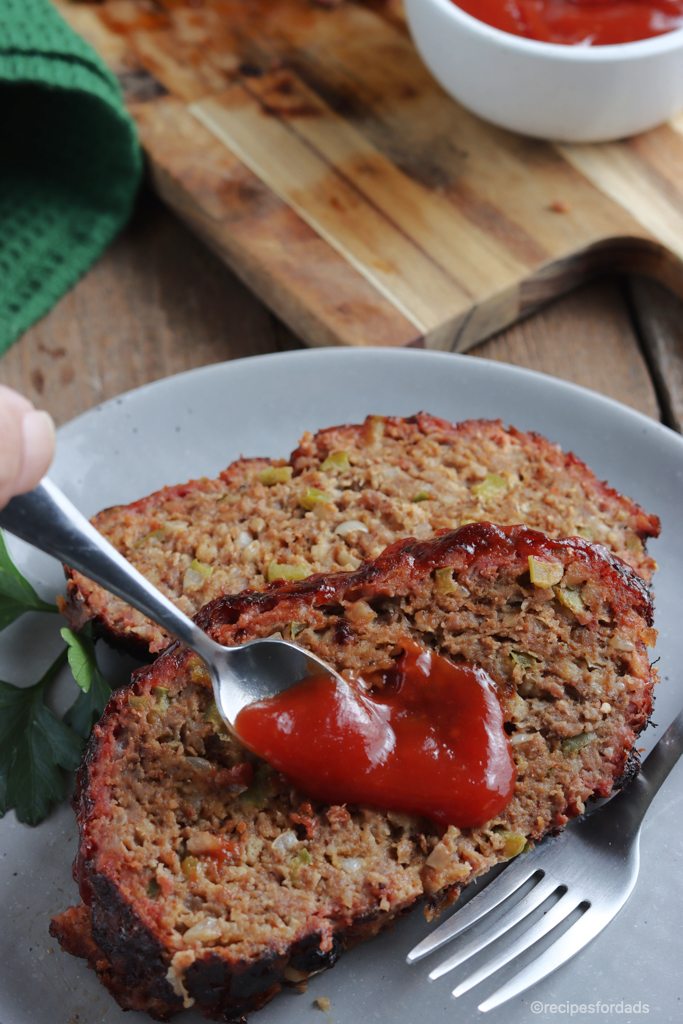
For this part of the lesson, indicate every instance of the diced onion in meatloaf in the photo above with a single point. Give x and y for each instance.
(207, 879)
(346, 494)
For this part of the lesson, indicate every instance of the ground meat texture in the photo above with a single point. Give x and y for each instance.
(346, 494)
(206, 878)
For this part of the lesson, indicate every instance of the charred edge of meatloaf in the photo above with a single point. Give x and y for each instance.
(134, 969)
(223, 992)
(136, 975)
(630, 772)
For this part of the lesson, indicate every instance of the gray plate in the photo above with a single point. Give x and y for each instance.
(193, 425)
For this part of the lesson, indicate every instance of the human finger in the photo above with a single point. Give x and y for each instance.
(38, 440)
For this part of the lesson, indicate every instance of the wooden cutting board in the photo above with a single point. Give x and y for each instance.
(312, 150)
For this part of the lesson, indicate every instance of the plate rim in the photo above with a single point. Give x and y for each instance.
(477, 363)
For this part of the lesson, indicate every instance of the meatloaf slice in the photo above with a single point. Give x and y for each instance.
(346, 494)
(207, 879)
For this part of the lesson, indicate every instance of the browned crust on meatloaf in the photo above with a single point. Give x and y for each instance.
(402, 477)
(162, 784)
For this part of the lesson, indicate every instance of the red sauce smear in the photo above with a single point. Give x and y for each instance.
(579, 22)
(425, 737)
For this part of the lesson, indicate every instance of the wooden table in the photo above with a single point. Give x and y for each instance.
(158, 303)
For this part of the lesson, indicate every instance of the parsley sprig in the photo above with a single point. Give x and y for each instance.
(95, 690)
(34, 746)
(16, 594)
(37, 747)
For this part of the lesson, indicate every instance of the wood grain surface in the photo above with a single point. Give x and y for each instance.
(315, 154)
(587, 338)
(658, 320)
(158, 302)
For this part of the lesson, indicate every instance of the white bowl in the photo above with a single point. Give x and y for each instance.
(548, 90)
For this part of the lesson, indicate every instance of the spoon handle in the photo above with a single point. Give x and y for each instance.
(46, 519)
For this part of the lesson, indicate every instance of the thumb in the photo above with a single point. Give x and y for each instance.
(38, 448)
(27, 440)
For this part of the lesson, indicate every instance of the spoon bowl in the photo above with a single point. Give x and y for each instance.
(258, 670)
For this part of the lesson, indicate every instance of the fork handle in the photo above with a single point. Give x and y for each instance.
(661, 760)
(630, 806)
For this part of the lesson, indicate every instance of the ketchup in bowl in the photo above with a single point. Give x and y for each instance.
(425, 737)
(579, 22)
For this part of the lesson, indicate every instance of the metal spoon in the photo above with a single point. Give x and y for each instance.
(241, 675)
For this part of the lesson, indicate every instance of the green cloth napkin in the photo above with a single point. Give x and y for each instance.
(70, 161)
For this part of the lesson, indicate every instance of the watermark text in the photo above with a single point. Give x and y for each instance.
(572, 1009)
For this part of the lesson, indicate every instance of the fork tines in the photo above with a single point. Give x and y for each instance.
(496, 892)
(560, 867)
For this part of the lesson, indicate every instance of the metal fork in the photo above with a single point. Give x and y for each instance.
(590, 868)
